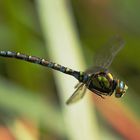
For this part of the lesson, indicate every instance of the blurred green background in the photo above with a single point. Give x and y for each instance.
(30, 106)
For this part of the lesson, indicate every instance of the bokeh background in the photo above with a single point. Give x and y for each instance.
(31, 105)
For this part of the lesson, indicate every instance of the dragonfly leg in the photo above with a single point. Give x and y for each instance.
(78, 85)
(100, 95)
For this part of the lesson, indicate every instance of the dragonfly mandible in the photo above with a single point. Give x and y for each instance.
(98, 79)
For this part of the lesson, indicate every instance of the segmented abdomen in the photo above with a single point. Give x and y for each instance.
(33, 59)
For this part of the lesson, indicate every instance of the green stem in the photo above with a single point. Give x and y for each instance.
(64, 47)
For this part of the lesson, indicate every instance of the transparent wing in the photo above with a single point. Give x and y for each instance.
(105, 56)
(78, 94)
(95, 69)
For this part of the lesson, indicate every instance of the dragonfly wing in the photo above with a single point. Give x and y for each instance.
(95, 69)
(105, 56)
(78, 94)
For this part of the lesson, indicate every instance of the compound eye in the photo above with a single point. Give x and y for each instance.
(121, 85)
(120, 89)
(119, 95)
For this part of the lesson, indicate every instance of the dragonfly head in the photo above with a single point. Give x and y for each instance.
(121, 89)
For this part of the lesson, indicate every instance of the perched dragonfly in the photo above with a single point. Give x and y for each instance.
(98, 79)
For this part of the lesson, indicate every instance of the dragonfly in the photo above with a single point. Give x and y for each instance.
(97, 79)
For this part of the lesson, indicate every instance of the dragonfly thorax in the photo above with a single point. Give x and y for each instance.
(102, 83)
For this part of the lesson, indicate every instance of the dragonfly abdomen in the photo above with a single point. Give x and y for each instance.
(81, 76)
